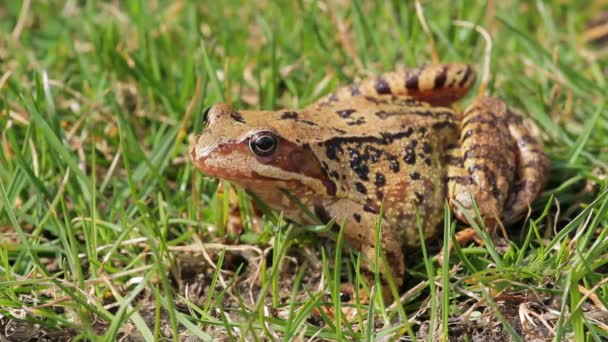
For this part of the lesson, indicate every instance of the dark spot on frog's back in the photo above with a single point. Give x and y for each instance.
(345, 113)
(410, 156)
(357, 217)
(332, 149)
(374, 153)
(359, 121)
(387, 138)
(236, 116)
(358, 163)
(382, 87)
(371, 207)
(361, 188)
(380, 180)
(393, 163)
(427, 148)
(289, 116)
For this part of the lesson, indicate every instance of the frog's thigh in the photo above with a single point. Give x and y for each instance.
(482, 167)
(360, 231)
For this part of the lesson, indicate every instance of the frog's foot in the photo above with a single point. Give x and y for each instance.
(467, 235)
(496, 151)
(437, 84)
(234, 224)
(348, 304)
(463, 238)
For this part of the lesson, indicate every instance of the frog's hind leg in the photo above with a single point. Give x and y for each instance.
(498, 163)
(481, 167)
(437, 84)
(531, 173)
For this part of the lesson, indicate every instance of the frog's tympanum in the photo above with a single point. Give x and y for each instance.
(388, 146)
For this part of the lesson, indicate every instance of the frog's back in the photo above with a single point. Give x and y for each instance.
(389, 151)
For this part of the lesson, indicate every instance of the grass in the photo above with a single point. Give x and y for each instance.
(107, 232)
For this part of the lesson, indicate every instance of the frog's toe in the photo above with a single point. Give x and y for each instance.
(462, 238)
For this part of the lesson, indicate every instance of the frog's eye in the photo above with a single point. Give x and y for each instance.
(264, 144)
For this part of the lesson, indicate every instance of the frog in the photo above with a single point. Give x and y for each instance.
(383, 153)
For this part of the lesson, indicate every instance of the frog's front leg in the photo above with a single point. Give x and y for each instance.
(360, 233)
(496, 164)
(437, 84)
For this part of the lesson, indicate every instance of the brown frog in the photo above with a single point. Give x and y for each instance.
(386, 146)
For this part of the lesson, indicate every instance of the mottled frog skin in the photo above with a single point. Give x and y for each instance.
(390, 140)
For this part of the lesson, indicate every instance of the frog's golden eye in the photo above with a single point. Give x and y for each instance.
(264, 144)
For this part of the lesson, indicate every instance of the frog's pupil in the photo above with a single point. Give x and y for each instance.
(265, 143)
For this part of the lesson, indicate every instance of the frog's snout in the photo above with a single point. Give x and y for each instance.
(200, 153)
(196, 153)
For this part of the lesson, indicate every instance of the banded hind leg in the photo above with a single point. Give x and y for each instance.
(497, 163)
(437, 84)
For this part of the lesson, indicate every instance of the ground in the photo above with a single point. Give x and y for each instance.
(107, 231)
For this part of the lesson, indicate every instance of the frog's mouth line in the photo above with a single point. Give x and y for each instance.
(201, 153)
(223, 168)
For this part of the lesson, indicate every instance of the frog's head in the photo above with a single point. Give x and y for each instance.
(259, 150)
